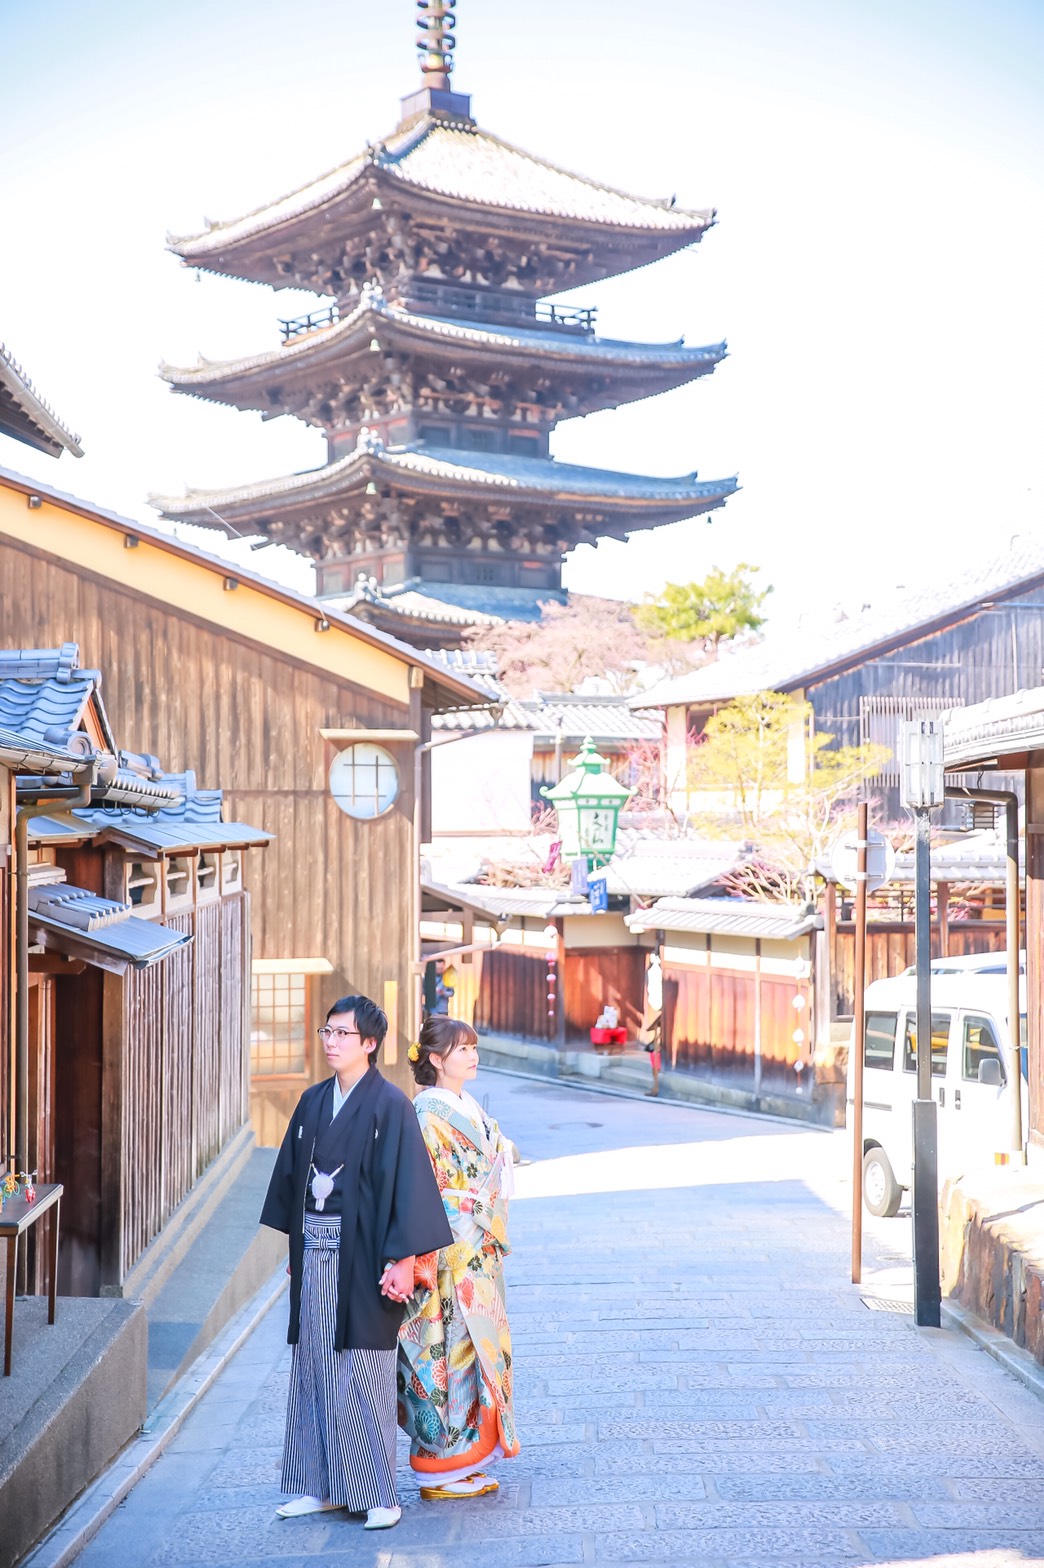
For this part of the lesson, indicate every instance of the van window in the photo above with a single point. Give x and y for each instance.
(879, 1040)
(979, 1042)
(940, 1037)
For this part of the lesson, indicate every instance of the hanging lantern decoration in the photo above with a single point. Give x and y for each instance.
(551, 956)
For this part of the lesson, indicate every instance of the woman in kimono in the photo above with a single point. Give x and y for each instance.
(353, 1189)
(455, 1369)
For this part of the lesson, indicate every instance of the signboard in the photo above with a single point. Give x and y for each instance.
(598, 895)
(880, 860)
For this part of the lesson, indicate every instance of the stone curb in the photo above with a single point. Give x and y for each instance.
(630, 1076)
(1003, 1350)
(585, 1085)
(86, 1516)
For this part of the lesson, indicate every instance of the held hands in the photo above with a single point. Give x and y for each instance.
(397, 1280)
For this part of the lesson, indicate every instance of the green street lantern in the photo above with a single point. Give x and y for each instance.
(588, 803)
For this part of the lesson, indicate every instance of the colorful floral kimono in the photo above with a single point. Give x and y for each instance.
(455, 1373)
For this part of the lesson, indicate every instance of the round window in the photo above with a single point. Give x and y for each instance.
(364, 780)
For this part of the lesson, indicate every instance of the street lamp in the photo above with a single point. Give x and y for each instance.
(587, 803)
(922, 790)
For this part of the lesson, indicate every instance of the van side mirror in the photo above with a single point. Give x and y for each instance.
(990, 1072)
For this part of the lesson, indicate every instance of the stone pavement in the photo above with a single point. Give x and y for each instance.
(698, 1382)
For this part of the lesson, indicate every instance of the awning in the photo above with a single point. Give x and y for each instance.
(100, 931)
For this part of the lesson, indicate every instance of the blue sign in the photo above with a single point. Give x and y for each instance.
(578, 876)
(598, 895)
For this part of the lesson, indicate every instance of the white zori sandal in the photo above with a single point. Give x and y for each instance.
(299, 1506)
(382, 1518)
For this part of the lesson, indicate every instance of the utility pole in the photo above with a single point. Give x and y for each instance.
(922, 791)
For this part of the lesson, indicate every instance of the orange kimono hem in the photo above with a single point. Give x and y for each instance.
(491, 1432)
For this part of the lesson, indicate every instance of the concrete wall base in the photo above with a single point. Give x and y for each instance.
(75, 1398)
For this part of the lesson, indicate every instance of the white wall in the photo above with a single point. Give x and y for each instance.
(482, 785)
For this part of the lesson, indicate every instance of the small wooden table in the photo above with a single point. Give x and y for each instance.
(18, 1214)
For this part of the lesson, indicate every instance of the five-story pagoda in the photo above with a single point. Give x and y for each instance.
(440, 366)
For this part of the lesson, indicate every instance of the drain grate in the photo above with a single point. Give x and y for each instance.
(888, 1303)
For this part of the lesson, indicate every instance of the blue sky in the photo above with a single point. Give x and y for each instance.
(878, 169)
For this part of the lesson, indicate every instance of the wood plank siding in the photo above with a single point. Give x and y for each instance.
(247, 719)
(890, 950)
(709, 1020)
(994, 651)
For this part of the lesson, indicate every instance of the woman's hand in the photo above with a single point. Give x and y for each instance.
(397, 1280)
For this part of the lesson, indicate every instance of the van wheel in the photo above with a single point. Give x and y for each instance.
(882, 1194)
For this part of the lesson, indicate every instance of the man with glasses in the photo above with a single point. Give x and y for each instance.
(354, 1190)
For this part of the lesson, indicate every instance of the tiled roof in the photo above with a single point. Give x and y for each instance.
(790, 656)
(74, 921)
(603, 718)
(469, 164)
(410, 603)
(35, 756)
(670, 867)
(644, 867)
(725, 917)
(503, 903)
(997, 728)
(193, 823)
(374, 311)
(499, 473)
(25, 416)
(43, 695)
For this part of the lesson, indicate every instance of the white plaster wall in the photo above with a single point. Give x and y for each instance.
(482, 785)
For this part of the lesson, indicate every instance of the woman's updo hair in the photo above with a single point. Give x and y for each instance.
(438, 1037)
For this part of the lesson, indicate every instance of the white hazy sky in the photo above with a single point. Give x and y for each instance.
(878, 170)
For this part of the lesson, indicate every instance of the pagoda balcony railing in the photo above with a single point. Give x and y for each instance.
(459, 304)
(300, 326)
(481, 305)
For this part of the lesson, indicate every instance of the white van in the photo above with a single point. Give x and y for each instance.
(972, 1072)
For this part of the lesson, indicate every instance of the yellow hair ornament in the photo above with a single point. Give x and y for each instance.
(414, 1052)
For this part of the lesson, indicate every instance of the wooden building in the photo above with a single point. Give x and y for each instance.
(133, 1073)
(312, 723)
(598, 958)
(737, 988)
(438, 366)
(959, 642)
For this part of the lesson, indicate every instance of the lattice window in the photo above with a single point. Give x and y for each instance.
(281, 1025)
(879, 721)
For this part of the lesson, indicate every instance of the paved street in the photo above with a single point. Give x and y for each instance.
(698, 1383)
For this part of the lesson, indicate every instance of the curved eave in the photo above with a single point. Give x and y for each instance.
(345, 189)
(25, 415)
(414, 473)
(236, 381)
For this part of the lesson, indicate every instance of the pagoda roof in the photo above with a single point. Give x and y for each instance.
(455, 162)
(671, 362)
(25, 416)
(445, 472)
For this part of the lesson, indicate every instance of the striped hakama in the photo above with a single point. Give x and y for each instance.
(340, 1416)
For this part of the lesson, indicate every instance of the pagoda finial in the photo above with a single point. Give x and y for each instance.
(435, 42)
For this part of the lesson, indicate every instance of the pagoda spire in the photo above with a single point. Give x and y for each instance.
(435, 42)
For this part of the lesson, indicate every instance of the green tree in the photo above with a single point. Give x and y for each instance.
(724, 605)
(760, 772)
